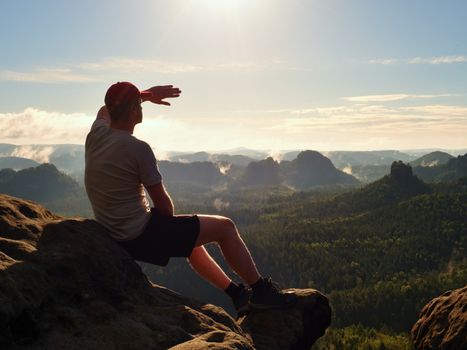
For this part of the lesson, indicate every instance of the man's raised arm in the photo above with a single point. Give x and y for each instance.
(103, 114)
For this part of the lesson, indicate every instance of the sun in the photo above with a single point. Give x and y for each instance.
(225, 5)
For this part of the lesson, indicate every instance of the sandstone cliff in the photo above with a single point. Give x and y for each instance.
(64, 284)
(443, 323)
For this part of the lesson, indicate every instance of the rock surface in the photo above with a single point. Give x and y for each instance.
(443, 322)
(64, 284)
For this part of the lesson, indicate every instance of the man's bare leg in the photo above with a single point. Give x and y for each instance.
(203, 263)
(264, 294)
(223, 231)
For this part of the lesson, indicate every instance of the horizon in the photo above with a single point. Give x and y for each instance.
(41, 152)
(265, 75)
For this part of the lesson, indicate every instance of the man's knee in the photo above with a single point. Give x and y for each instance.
(228, 223)
(218, 229)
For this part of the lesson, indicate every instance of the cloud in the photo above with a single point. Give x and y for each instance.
(126, 65)
(438, 60)
(421, 60)
(97, 71)
(452, 111)
(363, 118)
(392, 97)
(38, 126)
(386, 61)
(353, 126)
(47, 75)
(347, 169)
(37, 153)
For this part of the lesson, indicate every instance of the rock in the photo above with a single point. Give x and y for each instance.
(443, 322)
(273, 329)
(65, 284)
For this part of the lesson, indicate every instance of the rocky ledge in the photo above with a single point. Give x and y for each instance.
(443, 323)
(64, 284)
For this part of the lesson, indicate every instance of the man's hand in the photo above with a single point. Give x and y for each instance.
(159, 93)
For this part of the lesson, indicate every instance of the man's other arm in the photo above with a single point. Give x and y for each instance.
(161, 199)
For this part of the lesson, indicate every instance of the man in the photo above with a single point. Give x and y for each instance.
(118, 166)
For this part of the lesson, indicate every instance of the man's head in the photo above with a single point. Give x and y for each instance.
(123, 101)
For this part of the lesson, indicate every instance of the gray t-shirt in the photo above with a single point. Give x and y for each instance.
(118, 165)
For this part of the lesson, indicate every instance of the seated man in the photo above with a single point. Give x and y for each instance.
(118, 165)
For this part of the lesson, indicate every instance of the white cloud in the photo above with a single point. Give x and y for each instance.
(37, 153)
(347, 169)
(97, 71)
(392, 97)
(386, 61)
(42, 127)
(323, 110)
(125, 65)
(421, 60)
(354, 126)
(452, 111)
(438, 60)
(47, 75)
(128, 64)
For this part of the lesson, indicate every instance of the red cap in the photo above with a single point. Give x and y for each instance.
(123, 93)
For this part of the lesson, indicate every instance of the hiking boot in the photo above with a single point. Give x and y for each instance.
(267, 295)
(240, 301)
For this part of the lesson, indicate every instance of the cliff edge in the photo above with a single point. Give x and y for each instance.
(65, 284)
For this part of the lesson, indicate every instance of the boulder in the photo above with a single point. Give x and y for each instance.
(65, 284)
(443, 322)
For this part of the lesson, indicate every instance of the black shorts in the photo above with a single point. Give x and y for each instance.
(164, 237)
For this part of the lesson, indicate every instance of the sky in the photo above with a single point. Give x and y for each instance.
(263, 74)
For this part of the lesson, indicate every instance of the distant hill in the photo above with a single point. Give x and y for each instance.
(399, 185)
(6, 149)
(43, 183)
(252, 153)
(236, 159)
(17, 163)
(311, 168)
(371, 172)
(291, 155)
(454, 169)
(199, 173)
(265, 172)
(368, 173)
(67, 157)
(432, 159)
(342, 159)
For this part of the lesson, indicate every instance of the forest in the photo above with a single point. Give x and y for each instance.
(379, 252)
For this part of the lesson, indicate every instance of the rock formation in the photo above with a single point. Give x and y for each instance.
(64, 284)
(443, 323)
(311, 168)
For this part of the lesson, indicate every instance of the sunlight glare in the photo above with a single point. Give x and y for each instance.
(224, 5)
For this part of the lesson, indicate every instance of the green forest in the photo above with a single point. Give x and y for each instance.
(379, 252)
